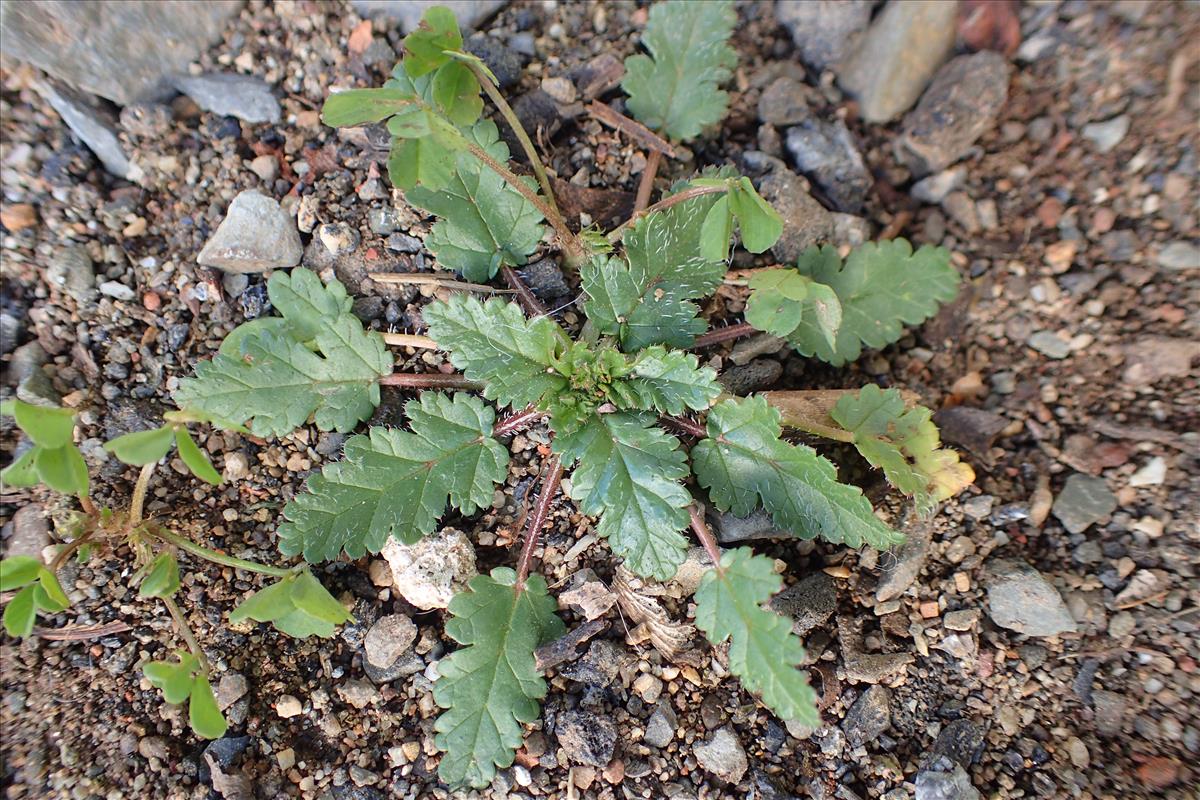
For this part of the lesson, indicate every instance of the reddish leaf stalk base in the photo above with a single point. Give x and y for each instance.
(728, 333)
(705, 535)
(540, 512)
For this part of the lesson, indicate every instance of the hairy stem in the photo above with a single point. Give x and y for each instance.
(726, 334)
(185, 631)
(139, 494)
(665, 203)
(517, 421)
(705, 536)
(540, 512)
(433, 380)
(189, 546)
(409, 340)
(62, 556)
(646, 184)
(518, 130)
(428, 279)
(690, 427)
(533, 307)
(89, 508)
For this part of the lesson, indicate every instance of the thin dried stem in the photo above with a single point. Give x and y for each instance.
(433, 380)
(517, 421)
(139, 494)
(409, 340)
(646, 184)
(705, 536)
(540, 512)
(185, 631)
(726, 334)
(528, 300)
(607, 115)
(428, 279)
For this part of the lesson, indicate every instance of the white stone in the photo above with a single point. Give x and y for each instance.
(1153, 474)
(430, 572)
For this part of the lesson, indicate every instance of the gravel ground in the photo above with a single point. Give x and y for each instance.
(1037, 638)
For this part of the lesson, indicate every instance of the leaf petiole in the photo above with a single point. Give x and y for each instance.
(189, 546)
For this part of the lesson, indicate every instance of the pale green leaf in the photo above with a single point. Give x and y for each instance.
(23, 471)
(50, 594)
(47, 426)
(881, 287)
(307, 304)
(904, 444)
(309, 596)
(759, 223)
(142, 447)
(204, 715)
(193, 457)
(425, 161)
(456, 92)
(763, 651)
(162, 579)
(491, 687)
(745, 463)
(424, 47)
(397, 483)
(629, 476)
(279, 382)
(493, 342)
(266, 605)
(62, 469)
(485, 221)
(643, 298)
(174, 678)
(362, 106)
(716, 231)
(674, 89)
(776, 303)
(18, 571)
(21, 612)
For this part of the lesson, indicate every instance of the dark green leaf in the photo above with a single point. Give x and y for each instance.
(203, 714)
(142, 447)
(491, 686)
(397, 483)
(162, 580)
(194, 459)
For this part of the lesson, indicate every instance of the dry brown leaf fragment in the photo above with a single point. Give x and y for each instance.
(666, 635)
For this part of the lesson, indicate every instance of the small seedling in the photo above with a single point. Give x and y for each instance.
(297, 605)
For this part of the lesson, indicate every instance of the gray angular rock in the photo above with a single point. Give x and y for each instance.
(1050, 344)
(71, 270)
(30, 532)
(805, 221)
(10, 331)
(1179, 255)
(826, 153)
(897, 56)
(784, 102)
(1084, 501)
(1107, 134)
(93, 125)
(660, 730)
(945, 780)
(824, 31)
(243, 96)
(731, 528)
(409, 12)
(125, 51)
(902, 565)
(961, 104)
(389, 639)
(255, 235)
(430, 572)
(587, 738)
(1021, 600)
(869, 716)
(722, 755)
(809, 603)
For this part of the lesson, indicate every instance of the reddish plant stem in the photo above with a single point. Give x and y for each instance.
(533, 307)
(517, 421)
(728, 333)
(705, 536)
(540, 512)
(690, 427)
(432, 380)
(646, 185)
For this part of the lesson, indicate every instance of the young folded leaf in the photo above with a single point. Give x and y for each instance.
(763, 651)
(185, 680)
(674, 89)
(881, 287)
(904, 444)
(162, 578)
(298, 606)
(629, 476)
(491, 686)
(142, 447)
(395, 483)
(54, 459)
(744, 462)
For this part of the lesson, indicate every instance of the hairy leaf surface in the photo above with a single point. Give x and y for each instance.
(485, 222)
(493, 342)
(672, 381)
(629, 476)
(881, 287)
(763, 651)
(397, 483)
(904, 444)
(674, 89)
(744, 462)
(491, 687)
(643, 298)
